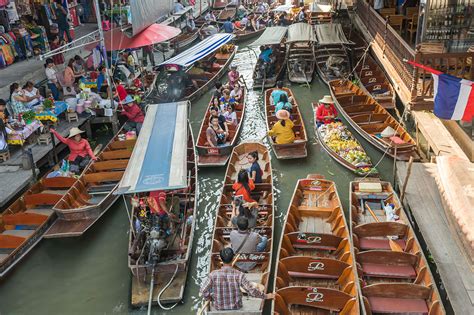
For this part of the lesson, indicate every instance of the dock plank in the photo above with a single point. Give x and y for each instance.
(425, 203)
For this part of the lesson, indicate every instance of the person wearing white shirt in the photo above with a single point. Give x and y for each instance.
(178, 6)
(32, 93)
(52, 78)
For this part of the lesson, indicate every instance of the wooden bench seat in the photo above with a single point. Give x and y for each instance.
(387, 271)
(385, 305)
(377, 243)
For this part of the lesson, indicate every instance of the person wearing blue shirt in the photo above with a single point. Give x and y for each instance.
(228, 27)
(283, 104)
(265, 54)
(276, 94)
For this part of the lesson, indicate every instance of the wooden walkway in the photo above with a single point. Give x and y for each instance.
(424, 201)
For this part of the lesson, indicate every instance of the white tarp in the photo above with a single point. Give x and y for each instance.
(146, 12)
(271, 36)
(300, 32)
(330, 34)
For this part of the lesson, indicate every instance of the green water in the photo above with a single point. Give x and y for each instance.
(89, 275)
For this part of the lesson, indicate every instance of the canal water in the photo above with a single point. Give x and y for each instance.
(89, 275)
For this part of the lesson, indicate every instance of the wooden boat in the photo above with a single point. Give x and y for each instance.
(246, 34)
(172, 266)
(274, 37)
(219, 5)
(184, 40)
(92, 194)
(294, 150)
(259, 274)
(316, 271)
(395, 276)
(300, 53)
(320, 13)
(23, 224)
(222, 55)
(343, 147)
(210, 156)
(369, 119)
(227, 12)
(332, 59)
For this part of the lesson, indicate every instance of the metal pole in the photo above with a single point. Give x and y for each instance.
(32, 162)
(53, 143)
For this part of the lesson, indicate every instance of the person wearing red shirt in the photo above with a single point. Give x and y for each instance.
(244, 186)
(326, 112)
(157, 203)
(81, 151)
(134, 114)
(120, 91)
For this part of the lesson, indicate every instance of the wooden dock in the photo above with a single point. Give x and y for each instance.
(423, 200)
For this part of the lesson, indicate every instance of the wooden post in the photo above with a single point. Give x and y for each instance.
(405, 182)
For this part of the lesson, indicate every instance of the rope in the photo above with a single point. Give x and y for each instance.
(164, 288)
(358, 62)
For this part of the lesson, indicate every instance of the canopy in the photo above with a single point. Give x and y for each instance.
(300, 32)
(153, 34)
(329, 34)
(271, 36)
(158, 161)
(200, 50)
(283, 8)
(320, 8)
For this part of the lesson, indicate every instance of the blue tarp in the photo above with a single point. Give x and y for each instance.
(159, 158)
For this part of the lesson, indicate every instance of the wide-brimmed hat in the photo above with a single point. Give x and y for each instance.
(74, 131)
(327, 99)
(283, 114)
(127, 100)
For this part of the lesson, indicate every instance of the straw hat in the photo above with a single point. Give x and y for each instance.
(282, 114)
(327, 99)
(74, 131)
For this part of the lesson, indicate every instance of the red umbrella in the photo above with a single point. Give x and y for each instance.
(116, 39)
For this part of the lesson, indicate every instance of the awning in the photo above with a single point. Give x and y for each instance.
(158, 161)
(329, 34)
(320, 8)
(283, 8)
(300, 32)
(271, 36)
(200, 50)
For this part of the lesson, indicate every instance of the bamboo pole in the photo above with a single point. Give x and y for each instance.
(405, 182)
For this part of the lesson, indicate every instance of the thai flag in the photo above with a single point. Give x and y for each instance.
(453, 96)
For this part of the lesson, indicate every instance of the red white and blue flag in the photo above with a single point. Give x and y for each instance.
(453, 96)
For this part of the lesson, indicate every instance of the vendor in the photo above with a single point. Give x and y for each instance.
(134, 114)
(51, 74)
(18, 100)
(79, 66)
(81, 151)
(3, 111)
(32, 94)
(326, 112)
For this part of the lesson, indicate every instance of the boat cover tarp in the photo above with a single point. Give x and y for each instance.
(272, 36)
(159, 157)
(320, 8)
(329, 34)
(283, 8)
(300, 32)
(200, 50)
(456, 184)
(146, 12)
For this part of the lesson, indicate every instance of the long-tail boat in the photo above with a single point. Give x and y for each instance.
(300, 53)
(186, 39)
(370, 120)
(275, 38)
(218, 156)
(332, 59)
(316, 271)
(243, 35)
(222, 228)
(337, 140)
(24, 222)
(92, 194)
(228, 12)
(294, 150)
(395, 277)
(214, 48)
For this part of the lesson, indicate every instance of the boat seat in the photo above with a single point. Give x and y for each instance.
(389, 271)
(376, 243)
(397, 306)
(42, 211)
(3, 257)
(19, 233)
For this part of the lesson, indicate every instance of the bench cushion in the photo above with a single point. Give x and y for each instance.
(392, 305)
(374, 243)
(296, 274)
(378, 270)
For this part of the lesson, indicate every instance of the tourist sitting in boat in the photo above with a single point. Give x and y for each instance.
(222, 122)
(301, 17)
(242, 24)
(326, 112)
(215, 135)
(243, 186)
(237, 93)
(81, 152)
(282, 20)
(218, 92)
(269, 20)
(241, 12)
(243, 240)
(230, 115)
(18, 99)
(134, 114)
(262, 7)
(228, 26)
(190, 24)
(233, 76)
(266, 56)
(223, 286)
(225, 99)
(254, 24)
(282, 131)
(277, 92)
(216, 102)
(255, 170)
(208, 30)
(248, 210)
(283, 104)
(210, 16)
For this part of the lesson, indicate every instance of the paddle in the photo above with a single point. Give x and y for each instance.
(245, 83)
(203, 307)
(394, 246)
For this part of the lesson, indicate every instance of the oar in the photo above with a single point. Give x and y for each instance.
(394, 246)
(245, 83)
(203, 307)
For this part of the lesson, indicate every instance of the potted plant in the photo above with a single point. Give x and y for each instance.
(28, 116)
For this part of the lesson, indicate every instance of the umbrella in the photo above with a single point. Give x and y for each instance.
(116, 39)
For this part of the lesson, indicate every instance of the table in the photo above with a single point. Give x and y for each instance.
(18, 137)
(52, 115)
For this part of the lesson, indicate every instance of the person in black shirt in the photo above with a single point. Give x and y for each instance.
(255, 171)
(218, 91)
(222, 121)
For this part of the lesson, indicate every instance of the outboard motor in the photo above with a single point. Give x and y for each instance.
(157, 243)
